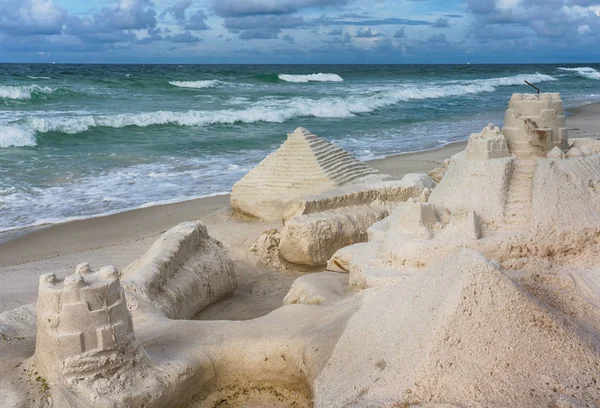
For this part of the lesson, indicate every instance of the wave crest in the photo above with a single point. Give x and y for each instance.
(311, 78)
(23, 91)
(13, 136)
(278, 111)
(586, 72)
(196, 84)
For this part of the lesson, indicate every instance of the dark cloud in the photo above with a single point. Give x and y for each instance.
(261, 27)
(437, 39)
(562, 20)
(323, 20)
(288, 38)
(259, 33)
(336, 32)
(196, 20)
(400, 33)
(367, 33)
(185, 37)
(178, 10)
(238, 8)
(453, 15)
(441, 23)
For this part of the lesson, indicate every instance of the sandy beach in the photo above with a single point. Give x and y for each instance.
(119, 239)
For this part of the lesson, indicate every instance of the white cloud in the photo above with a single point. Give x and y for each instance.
(508, 4)
(583, 29)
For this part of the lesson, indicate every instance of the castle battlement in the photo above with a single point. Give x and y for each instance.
(535, 124)
(490, 143)
(83, 317)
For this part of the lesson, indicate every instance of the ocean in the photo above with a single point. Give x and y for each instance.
(83, 140)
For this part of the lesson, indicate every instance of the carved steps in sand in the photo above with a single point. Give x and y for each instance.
(517, 211)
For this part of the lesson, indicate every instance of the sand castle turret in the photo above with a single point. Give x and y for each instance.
(535, 124)
(84, 329)
(305, 164)
(490, 143)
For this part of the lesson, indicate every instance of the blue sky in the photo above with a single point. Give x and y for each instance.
(300, 31)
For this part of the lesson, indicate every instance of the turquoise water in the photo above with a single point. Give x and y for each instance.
(82, 140)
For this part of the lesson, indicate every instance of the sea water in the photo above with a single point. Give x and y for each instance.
(82, 140)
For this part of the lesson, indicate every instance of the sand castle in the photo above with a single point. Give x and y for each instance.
(304, 164)
(449, 303)
(517, 210)
(86, 346)
(325, 198)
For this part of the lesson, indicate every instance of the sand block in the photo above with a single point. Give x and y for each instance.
(475, 185)
(317, 226)
(304, 164)
(415, 342)
(184, 271)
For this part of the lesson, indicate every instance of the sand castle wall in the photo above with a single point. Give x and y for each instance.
(317, 226)
(490, 143)
(473, 185)
(534, 124)
(83, 325)
(566, 194)
(184, 271)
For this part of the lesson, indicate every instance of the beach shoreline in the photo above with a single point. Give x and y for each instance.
(416, 162)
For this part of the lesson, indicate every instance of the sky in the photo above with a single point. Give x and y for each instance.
(300, 31)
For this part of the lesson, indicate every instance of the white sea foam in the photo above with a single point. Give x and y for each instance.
(13, 136)
(586, 72)
(23, 91)
(41, 77)
(311, 78)
(213, 83)
(516, 80)
(279, 110)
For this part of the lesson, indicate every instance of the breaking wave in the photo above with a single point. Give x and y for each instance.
(196, 84)
(586, 72)
(311, 78)
(23, 91)
(515, 80)
(13, 136)
(278, 111)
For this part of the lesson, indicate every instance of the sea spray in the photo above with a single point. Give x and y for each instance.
(196, 84)
(13, 136)
(586, 72)
(311, 78)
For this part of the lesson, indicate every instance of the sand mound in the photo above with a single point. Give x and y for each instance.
(458, 333)
(304, 164)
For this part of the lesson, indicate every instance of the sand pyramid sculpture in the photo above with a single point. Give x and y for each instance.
(304, 164)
